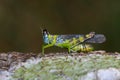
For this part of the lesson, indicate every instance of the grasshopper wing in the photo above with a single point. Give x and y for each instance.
(98, 38)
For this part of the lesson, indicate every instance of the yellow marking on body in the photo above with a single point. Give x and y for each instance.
(81, 48)
(87, 36)
(74, 41)
(81, 39)
(49, 36)
(66, 41)
(54, 38)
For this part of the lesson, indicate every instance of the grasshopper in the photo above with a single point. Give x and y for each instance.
(74, 43)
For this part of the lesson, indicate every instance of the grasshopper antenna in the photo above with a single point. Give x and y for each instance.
(44, 31)
(41, 29)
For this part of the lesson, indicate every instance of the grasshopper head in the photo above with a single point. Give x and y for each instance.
(45, 34)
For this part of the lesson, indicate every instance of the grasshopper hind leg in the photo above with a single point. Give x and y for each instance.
(82, 48)
(73, 51)
(86, 48)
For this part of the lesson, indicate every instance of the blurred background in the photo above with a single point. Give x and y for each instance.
(20, 22)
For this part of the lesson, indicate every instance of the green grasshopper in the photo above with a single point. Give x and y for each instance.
(74, 43)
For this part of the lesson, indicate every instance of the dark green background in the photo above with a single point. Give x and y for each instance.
(20, 22)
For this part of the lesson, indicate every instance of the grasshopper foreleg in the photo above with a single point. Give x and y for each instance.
(46, 46)
(49, 44)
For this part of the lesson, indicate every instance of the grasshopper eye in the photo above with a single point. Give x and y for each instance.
(45, 31)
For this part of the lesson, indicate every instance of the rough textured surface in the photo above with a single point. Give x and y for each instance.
(96, 65)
